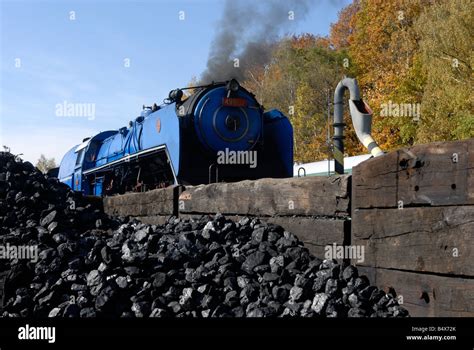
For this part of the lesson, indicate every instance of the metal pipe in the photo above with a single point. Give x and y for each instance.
(361, 115)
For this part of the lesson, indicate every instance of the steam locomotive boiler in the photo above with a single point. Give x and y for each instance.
(219, 133)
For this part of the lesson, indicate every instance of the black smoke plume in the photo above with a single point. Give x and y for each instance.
(247, 31)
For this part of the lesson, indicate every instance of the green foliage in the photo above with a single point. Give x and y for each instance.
(446, 31)
(300, 79)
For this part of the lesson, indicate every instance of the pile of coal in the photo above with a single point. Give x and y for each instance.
(29, 200)
(89, 265)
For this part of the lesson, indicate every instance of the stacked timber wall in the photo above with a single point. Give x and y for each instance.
(152, 207)
(316, 209)
(413, 211)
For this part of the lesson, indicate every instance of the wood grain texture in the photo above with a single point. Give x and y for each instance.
(316, 234)
(427, 295)
(306, 196)
(431, 239)
(154, 202)
(420, 175)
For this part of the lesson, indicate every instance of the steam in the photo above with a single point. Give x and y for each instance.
(247, 32)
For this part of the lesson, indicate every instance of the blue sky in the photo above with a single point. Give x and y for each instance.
(84, 61)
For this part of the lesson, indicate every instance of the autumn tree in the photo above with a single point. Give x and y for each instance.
(415, 53)
(300, 81)
(418, 53)
(342, 30)
(446, 53)
(44, 164)
(384, 47)
(189, 87)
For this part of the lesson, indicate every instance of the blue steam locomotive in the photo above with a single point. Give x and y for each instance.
(218, 133)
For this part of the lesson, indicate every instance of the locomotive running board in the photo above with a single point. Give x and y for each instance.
(132, 157)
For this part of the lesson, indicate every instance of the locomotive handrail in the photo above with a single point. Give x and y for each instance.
(304, 171)
(210, 172)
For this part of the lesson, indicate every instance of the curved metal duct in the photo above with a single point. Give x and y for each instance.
(361, 118)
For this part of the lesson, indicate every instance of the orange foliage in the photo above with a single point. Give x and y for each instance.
(344, 27)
